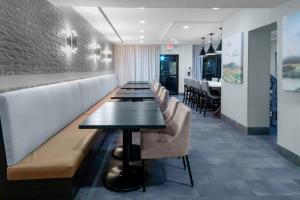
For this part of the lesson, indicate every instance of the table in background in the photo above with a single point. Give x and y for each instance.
(216, 87)
(137, 82)
(126, 116)
(133, 97)
(135, 86)
(142, 91)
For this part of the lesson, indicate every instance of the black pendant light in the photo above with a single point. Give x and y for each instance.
(211, 50)
(219, 48)
(203, 53)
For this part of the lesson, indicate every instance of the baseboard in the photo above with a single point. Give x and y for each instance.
(294, 158)
(234, 123)
(246, 130)
(258, 130)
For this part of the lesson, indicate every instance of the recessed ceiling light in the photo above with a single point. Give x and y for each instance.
(175, 41)
(141, 8)
(141, 41)
(142, 37)
(185, 27)
(172, 39)
(142, 31)
(142, 22)
(216, 8)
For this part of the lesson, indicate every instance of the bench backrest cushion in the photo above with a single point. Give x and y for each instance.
(90, 91)
(109, 82)
(31, 116)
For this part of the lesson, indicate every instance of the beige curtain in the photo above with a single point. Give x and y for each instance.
(137, 62)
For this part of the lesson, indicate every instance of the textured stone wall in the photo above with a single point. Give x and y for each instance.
(31, 41)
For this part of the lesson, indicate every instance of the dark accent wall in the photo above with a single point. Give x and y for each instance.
(31, 41)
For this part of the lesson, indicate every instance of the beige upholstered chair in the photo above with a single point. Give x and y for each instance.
(159, 93)
(156, 88)
(208, 96)
(169, 113)
(174, 142)
(163, 100)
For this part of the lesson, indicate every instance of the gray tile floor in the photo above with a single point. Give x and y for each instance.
(226, 165)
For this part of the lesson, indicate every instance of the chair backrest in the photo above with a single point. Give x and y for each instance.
(153, 84)
(185, 81)
(198, 85)
(164, 99)
(204, 86)
(161, 89)
(156, 88)
(181, 127)
(171, 109)
(195, 83)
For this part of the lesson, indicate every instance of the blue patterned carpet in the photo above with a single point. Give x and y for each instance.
(226, 165)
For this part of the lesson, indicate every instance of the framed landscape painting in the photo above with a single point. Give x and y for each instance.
(233, 59)
(291, 53)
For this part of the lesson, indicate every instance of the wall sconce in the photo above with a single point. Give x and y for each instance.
(96, 51)
(71, 41)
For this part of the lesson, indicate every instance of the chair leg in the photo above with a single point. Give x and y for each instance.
(184, 94)
(189, 169)
(143, 168)
(184, 165)
(205, 106)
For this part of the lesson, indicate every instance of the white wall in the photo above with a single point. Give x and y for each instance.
(185, 53)
(235, 97)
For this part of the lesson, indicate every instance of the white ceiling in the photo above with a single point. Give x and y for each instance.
(164, 24)
(172, 3)
(164, 18)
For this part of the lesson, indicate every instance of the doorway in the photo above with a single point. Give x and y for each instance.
(262, 80)
(169, 72)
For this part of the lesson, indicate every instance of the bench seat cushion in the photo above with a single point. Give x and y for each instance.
(58, 157)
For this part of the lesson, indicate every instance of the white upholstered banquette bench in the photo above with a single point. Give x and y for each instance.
(41, 147)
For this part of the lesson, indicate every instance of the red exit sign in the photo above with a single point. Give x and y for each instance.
(170, 46)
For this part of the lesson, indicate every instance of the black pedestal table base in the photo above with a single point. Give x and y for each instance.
(127, 177)
(117, 180)
(133, 156)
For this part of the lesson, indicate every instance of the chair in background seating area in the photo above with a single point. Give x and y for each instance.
(198, 95)
(171, 142)
(169, 113)
(208, 96)
(185, 93)
(187, 88)
(155, 87)
(163, 100)
(159, 93)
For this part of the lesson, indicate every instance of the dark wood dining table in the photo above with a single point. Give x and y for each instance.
(133, 97)
(137, 82)
(144, 91)
(135, 86)
(127, 116)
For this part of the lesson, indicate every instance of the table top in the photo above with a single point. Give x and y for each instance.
(214, 84)
(116, 118)
(128, 106)
(135, 86)
(143, 91)
(137, 82)
(133, 96)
